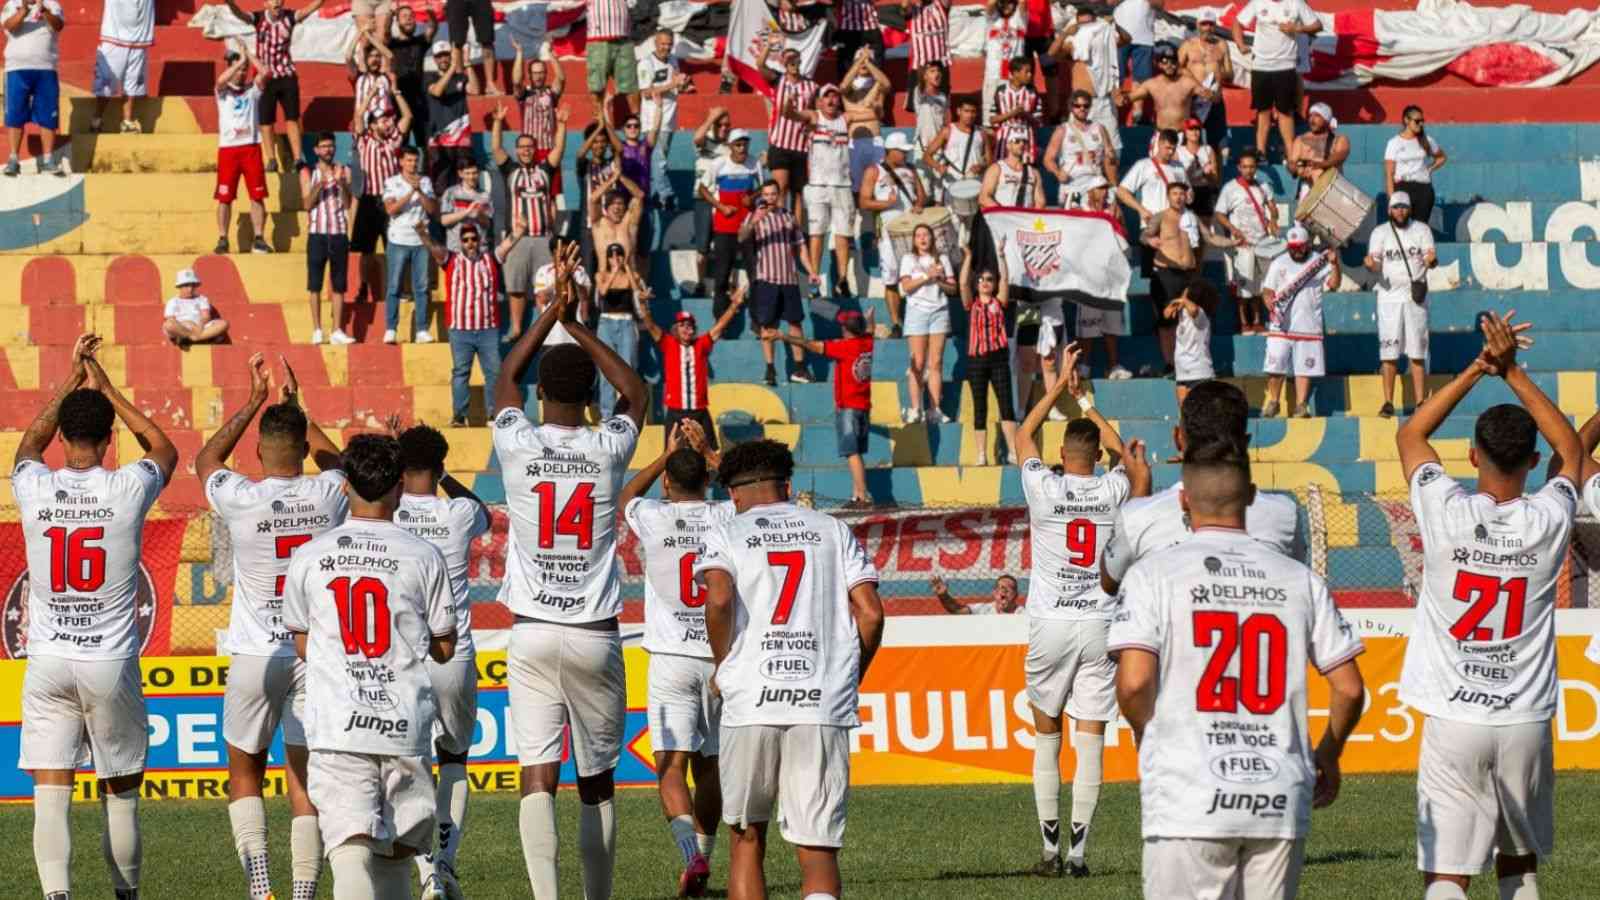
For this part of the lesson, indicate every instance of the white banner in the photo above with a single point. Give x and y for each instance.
(1059, 254)
(753, 23)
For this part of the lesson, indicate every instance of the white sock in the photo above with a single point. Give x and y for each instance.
(536, 820)
(450, 806)
(820, 896)
(705, 843)
(120, 840)
(597, 845)
(52, 836)
(354, 872)
(392, 877)
(1086, 777)
(1519, 887)
(248, 816)
(1047, 790)
(683, 834)
(1444, 890)
(305, 855)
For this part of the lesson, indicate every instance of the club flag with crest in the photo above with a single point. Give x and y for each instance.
(753, 23)
(1056, 254)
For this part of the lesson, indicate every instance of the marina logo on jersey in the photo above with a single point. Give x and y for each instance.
(277, 506)
(1213, 565)
(763, 522)
(617, 425)
(1480, 532)
(345, 541)
(61, 496)
(403, 516)
(507, 418)
(1244, 767)
(788, 668)
(1069, 495)
(1429, 474)
(14, 614)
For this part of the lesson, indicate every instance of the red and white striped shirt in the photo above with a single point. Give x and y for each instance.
(470, 291)
(539, 116)
(785, 133)
(533, 196)
(380, 160)
(684, 371)
(273, 36)
(986, 326)
(609, 20)
(778, 241)
(930, 33)
(375, 89)
(1009, 98)
(329, 212)
(857, 15)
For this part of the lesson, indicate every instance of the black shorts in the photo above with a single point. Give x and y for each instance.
(1275, 90)
(1167, 287)
(330, 251)
(792, 161)
(1204, 200)
(1147, 262)
(283, 93)
(1027, 336)
(770, 303)
(372, 222)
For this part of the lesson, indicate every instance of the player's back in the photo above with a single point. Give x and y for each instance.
(1234, 624)
(671, 535)
(267, 520)
(561, 487)
(1483, 649)
(1071, 519)
(796, 654)
(84, 531)
(1150, 525)
(450, 524)
(369, 596)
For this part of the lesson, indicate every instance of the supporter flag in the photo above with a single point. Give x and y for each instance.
(1054, 254)
(753, 23)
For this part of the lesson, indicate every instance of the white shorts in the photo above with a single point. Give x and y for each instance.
(1481, 790)
(1222, 868)
(1402, 331)
(829, 208)
(1067, 669)
(563, 678)
(65, 701)
(1093, 323)
(455, 691)
(120, 71)
(262, 693)
(683, 713)
(1286, 356)
(888, 261)
(1245, 270)
(925, 320)
(387, 799)
(1104, 113)
(804, 769)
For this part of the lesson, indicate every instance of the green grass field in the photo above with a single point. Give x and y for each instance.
(944, 842)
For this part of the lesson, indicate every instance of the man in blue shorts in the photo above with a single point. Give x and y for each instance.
(32, 89)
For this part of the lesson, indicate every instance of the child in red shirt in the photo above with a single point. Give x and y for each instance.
(852, 392)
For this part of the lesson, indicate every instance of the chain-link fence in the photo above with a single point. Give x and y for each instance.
(1366, 545)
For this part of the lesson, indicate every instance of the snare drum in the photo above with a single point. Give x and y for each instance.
(962, 197)
(946, 237)
(1334, 208)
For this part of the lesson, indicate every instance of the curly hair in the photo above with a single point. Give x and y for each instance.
(566, 374)
(86, 417)
(756, 461)
(422, 449)
(372, 464)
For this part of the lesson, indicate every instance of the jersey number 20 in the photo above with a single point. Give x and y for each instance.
(363, 607)
(1260, 641)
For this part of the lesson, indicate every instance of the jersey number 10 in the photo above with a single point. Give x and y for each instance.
(363, 608)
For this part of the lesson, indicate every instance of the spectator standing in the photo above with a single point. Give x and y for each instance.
(929, 101)
(378, 142)
(638, 162)
(1005, 38)
(710, 144)
(540, 96)
(1409, 161)
(1192, 310)
(616, 207)
(1017, 107)
(479, 15)
(274, 27)
(1090, 45)
(409, 43)
(855, 26)
(962, 149)
(1013, 180)
(545, 283)
(471, 309)
(238, 149)
(1081, 152)
(852, 393)
(449, 124)
(1402, 252)
(926, 278)
(469, 200)
(325, 192)
(1038, 34)
(686, 364)
(928, 21)
(1293, 291)
(729, 188)
(829, 202)
(370, 79)
(775, 290)
(866, 90)
(889, 190)
(788, 140)
(1200, 165)
(1002, 598)
(189, 317)
(1172, 91)
(1147, 190)
(1247, 212)
(1105, 324)
(121, 63)
(609, 52)
(1274, 79)
(33, 90)
(1137, 19)
(988, 352)
(409, 199)
(660, 82)
(532, 179)
(1319, 149)
(1174, 235)
(1207, 59)
(619, 292)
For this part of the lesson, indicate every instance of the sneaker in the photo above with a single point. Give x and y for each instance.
(1386, 411)
(910, 415)
(221, 249)
(13, 167)
(260, 246)
(316, 337)
(1302, 411)
(1057, 415)
(389, 336)
(423, 337)
(49, 166)
(771, 376)
(1118, 373)
(1049, 867)
(132, 126)
(339, 337)
(937, 417)
(983, 457)
(801, 376)
(458, 421)
(1270, 410)
(1077, 869)
(692, 883)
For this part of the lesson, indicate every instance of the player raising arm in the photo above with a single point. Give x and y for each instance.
(789, 590)
(1481, 661)
(1213, 638)
(82, 526)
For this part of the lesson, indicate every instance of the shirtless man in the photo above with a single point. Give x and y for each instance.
(1206, 59)
(1318, 150)
(1173, 91)
(614, 216)
(1175, 234)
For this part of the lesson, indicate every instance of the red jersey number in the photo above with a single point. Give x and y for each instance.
(575, 520)
(793, 563)
(74, 562)
(1081, 543)
(282, 547)
(1260, 642)
(363, 607)
(690, 593)
(1483, 593)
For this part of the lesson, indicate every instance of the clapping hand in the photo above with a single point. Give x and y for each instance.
(260, 378)
(290, 392)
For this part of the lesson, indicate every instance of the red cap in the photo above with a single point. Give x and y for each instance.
(851, 320)
(1192, 122)
(684, 316)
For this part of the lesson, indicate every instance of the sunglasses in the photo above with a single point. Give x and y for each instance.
(469, 237)
(630, 124)
(1415, 121)
(1080, 106)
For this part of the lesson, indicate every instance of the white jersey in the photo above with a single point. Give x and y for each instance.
(1147, 180)
(1015, 186)
(1227, 753)
(670, 537)
(451, 524)
(128, 23)
(1002, 42)
(1083, 153)
(1296, 308)
(1386, 246)
(83, 529)
(1095, 45)
(1155, 524)
(829, 162)
(655, 72)
(1248, 208)
(1070, 521)
(1191, 355)
(1483, 650)
(267, 520)
(796, 654)
(1274, 51)
(369, 596)
(961, 151)
(561, 488)
(1411, 161)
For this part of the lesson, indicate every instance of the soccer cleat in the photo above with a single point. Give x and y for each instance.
(423, 337)
(1048, 867)
(1077, 869)
(389, 336)
(221, 249)
(442, 884)
(692, 883)
(1387, 411)
(1270, 410)
(339, 337)
(260, 246)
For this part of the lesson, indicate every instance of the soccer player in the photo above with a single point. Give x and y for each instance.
(564, 662)
(794, 619)
(369, 605)
(83, 524)
(1213, 638)
(450, 523)
(1070, 517)
(1213, 412)
(684, 712)
(267, 520)
(1481, 662)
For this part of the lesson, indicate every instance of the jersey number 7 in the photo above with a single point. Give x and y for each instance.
(1261, 643)
(793, 563)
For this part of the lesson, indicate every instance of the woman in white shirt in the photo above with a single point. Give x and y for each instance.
(1409, 161)
(926, 277)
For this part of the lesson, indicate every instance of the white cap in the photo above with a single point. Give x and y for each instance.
(1298, 235)
(1325, 111)
(186, 276)
(738, 134)
(1207, 15)
(897, 141)
(440, 46)
(1399, 198)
